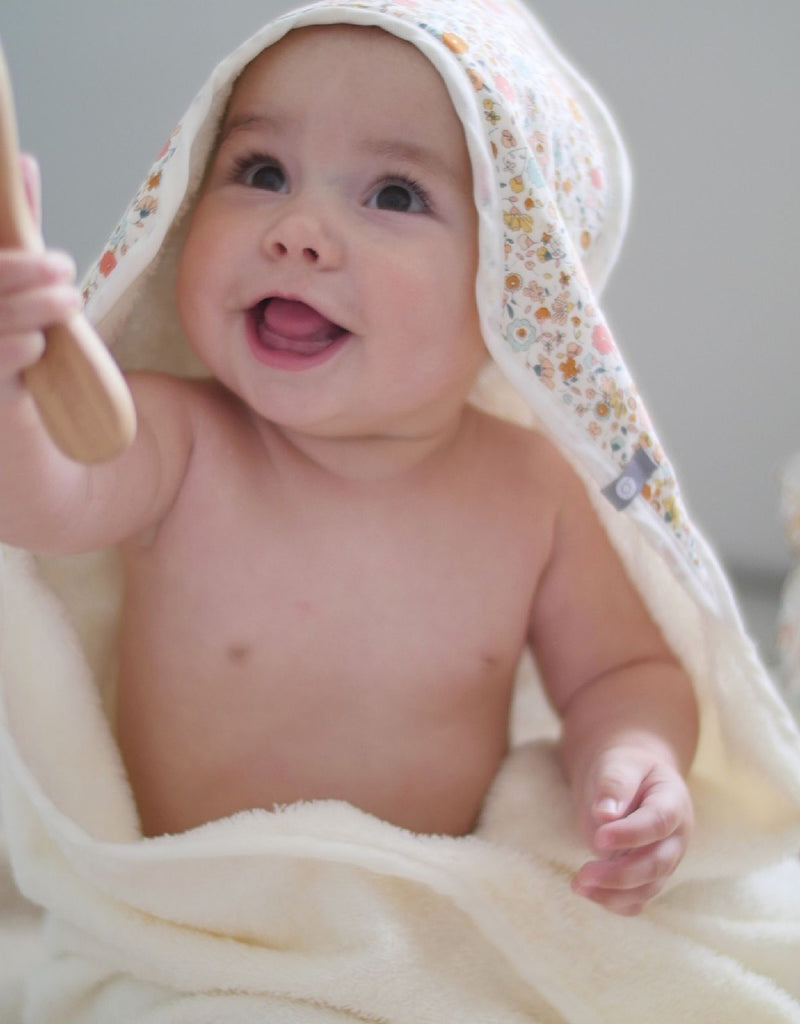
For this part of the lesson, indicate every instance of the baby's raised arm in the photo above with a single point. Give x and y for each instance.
(627, 706)
(48, 502)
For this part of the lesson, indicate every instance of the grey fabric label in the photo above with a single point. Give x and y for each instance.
(632, 479)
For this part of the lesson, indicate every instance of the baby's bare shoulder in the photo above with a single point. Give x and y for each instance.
(525, 454)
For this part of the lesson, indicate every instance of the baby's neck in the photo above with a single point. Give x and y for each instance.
(379, 460)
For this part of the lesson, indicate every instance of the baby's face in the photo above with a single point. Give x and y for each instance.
(328, 277)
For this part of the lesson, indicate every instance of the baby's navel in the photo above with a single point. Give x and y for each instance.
(239, 653)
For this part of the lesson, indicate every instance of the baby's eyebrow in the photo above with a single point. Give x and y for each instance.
(405, 151)
(246, 122)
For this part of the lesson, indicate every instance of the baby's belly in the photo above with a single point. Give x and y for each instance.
(420, 755)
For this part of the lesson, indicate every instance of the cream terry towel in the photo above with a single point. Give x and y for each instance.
(318, 912)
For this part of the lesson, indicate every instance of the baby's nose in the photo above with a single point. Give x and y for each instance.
(304, 237)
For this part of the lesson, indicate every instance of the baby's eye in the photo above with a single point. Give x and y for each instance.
(260, 173)
(399, 196)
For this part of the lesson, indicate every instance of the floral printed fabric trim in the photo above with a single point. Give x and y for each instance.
(136, 224)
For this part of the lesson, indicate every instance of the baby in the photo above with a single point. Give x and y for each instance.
(308, 535)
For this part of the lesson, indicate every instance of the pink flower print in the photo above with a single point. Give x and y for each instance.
(545, 371)
(503, 85)
(602, 340)
(534, 291)
(561, 308)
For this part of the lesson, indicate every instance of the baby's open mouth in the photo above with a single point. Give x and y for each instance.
(287, 325)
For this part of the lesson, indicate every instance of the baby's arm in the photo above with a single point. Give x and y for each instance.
(628, 710)
(48, 502)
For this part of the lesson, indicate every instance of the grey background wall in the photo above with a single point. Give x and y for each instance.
(705, 299)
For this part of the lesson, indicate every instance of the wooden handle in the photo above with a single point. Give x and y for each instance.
(81, 394)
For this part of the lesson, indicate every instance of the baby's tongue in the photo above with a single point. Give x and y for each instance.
(296, 326)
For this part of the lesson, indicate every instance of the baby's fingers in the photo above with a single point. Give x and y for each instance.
(17, 353)
(21, 270)
(35, 292)
(634, 868)
(652, 822)
(37, 308)
(665, 809)
(627, 902)
(627, 882)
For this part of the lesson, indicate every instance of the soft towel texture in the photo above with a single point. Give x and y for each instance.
(318, 912)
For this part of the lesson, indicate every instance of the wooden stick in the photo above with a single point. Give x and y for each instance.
(80, 392)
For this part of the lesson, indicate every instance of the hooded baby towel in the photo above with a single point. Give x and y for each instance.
(319, 912)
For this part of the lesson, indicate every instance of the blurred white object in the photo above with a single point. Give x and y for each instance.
(788, 639)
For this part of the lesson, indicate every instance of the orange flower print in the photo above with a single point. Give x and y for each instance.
(454, 42)
(107, 263)
(513, 282)
(569, 370)
(542, 314)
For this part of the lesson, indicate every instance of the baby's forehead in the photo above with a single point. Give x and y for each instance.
(364, 81)
(344, 48)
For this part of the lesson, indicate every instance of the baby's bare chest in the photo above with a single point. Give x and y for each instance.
(275, 650)
(349, 597)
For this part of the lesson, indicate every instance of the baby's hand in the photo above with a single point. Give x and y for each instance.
(36, 290)
(637, 815)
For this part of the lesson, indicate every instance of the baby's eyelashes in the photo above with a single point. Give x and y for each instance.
(399, 195)
(260, 172)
